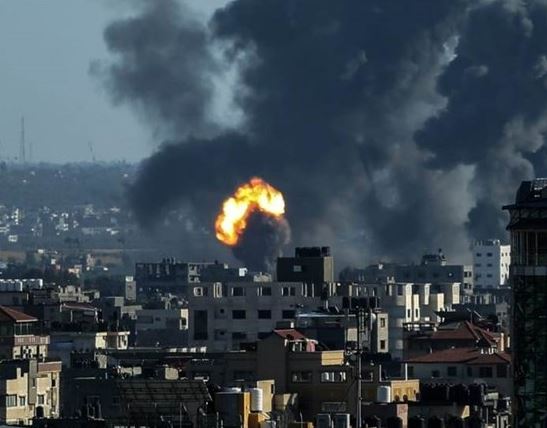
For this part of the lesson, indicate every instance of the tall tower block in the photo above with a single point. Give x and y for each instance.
(528, 278)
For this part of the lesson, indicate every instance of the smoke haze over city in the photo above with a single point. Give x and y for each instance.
(389, 125)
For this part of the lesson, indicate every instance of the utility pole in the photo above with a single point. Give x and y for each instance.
(359, 317)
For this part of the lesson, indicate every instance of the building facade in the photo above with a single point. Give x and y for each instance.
(528, 278)
(491, 260)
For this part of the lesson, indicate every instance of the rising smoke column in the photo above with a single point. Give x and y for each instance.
(332, 94)
(496, 118)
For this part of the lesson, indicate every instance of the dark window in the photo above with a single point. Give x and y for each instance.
(435, 373)
(485, 372)
(265, 291)
(238, 291)
(479, 254)
(501, 370)
(288, 314)
(452, 371)
(200, 325)
(301, 377)
(382, 345)
(264, 314)
(239, 335)
(239, 314)
(489, 254)
(411, 371)
(469, 371)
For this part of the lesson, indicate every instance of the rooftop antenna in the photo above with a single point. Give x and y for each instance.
(22, 153)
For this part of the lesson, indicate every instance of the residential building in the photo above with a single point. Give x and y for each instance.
(222, 316)
(20, 336)
(162, 327)
(311, 265)
(64, 343)
(465, 365)
(424, 338)
(528, 279)
(433, 269)
(29, 388)
(491, 260)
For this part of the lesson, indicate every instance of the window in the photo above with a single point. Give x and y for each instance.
(408, 313)
(265, 291)
(417, 313)
(489, 275)
(478, 265)
(501, 370)
(469, 372)
(200, 325)
(11, 400)
(382, 345)
(400, 290)
(489, 264)
(22, 401)
(239, 335)
(479, 254)
(239, 314)
(41, 398)
(485, 372)
(288, 314)
(238, 291)
(297, 268)
(200, 291)
(333, 377)
(288, 291)
(301, 377)
(411, 371)
(435, 373)
(452, 371)
(382, 322)
(264, 314)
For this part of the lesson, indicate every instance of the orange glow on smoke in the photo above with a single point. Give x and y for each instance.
(256, 195)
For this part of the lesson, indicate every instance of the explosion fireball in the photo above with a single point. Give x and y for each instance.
(256, 195)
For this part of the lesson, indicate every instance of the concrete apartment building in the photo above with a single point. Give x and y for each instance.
(224, 315)
(29, 382)
(19, 336)
(162, 327)
(433, 269)
(465, 365)
(29, 388)
(323, 380)
(491, 260)
(408, 303)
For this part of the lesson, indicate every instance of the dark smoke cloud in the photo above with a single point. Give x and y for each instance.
(260, 245)
(496, 118)
(332, 94)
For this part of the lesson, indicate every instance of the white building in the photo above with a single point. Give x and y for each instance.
(223, 315)
(491, 262)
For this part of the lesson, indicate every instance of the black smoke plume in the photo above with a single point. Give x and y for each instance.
(390, 126)
(262, 242)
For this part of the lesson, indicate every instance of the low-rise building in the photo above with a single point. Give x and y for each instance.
(466, 366)
(29, 388)
(20, 337)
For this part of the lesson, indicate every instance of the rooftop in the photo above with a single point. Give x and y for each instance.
(12, 315)
(463, 356)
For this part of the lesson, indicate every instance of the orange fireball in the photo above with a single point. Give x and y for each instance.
(256, 195)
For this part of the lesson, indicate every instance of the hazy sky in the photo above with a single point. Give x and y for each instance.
(45, 52)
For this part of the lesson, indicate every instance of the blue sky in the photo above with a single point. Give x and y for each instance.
(46, 48)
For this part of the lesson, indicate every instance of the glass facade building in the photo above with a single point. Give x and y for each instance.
(528, 278)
